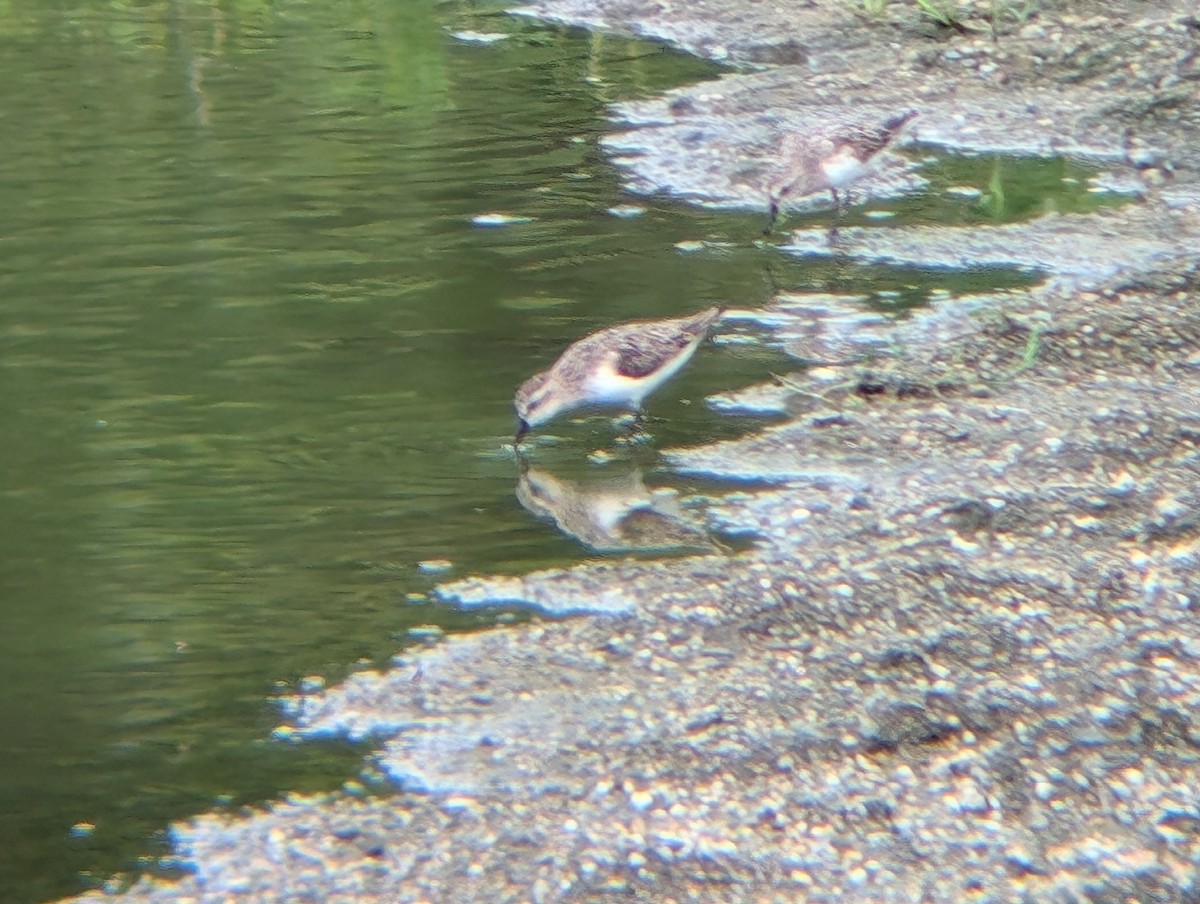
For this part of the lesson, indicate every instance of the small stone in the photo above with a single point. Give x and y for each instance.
(641, 799)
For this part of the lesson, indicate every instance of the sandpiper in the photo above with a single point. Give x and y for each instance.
(615, 367)
(815, 162)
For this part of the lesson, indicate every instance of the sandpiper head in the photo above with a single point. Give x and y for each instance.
(897, 122)
(537, 401)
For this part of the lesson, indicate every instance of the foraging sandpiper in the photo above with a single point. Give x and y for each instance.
(615, 367)
(815, 162)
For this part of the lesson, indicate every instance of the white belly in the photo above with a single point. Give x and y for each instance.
(608, 387)
(842, 168)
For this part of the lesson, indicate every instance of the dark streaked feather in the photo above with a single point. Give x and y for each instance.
(868, 142)
(655, 345)
(640, 355)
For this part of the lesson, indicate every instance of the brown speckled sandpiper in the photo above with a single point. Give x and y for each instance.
(616, 367)
(816, 161)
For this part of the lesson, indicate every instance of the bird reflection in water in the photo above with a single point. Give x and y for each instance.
(613, 511)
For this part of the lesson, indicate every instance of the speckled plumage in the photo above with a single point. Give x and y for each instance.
(614, 367)
(817, 161)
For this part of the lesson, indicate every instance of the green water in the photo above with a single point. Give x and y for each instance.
(257, 365)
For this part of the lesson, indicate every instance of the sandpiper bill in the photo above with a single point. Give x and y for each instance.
(817, 161)
(615, 367)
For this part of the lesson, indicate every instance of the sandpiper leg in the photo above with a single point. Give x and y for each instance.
(522, 429)
(772, 216)
(629, 430)
(837, 216)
